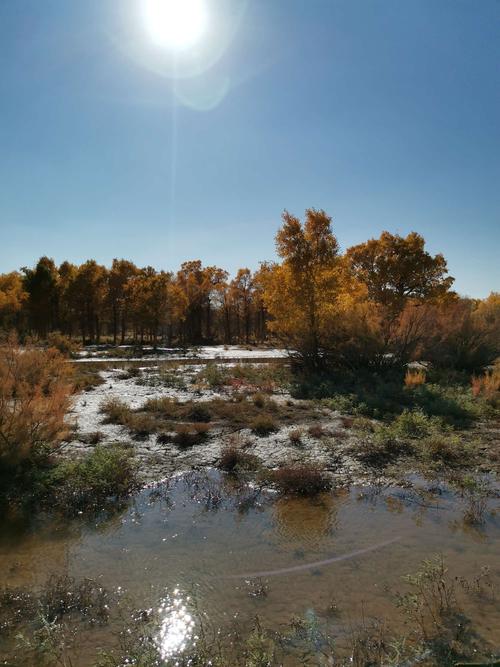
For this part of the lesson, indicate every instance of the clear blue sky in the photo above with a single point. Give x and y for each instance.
(383, 112)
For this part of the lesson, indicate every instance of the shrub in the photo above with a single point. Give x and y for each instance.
(93, 438)
(303, 480)
(414, 424)
(213, 375)
(295, 436)
(64, 344)
(35, 389)
(446, 448)
(131, 373)
(379, 449)
(116, 411)
(233, 459)
(163, 438)
(141, 425)
(316, 431)
(201, 428)
(414, 378)
(265, 377)
(187, 435)
(199, 413)
(80, 485)
(85, 377)
(263, 425)
(488, 385)
(259, 400)
(169, 407)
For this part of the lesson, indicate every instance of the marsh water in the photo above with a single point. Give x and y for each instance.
(203, 550)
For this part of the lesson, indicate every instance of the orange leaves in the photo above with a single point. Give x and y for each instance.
(34, 397)
(396, 268)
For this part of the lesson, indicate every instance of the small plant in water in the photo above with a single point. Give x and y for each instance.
(303, 480)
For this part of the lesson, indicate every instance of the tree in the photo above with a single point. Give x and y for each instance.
(121, 273)
(301, 293)
(397, 269)
(149, 296)
(87, 295)
(215, 280)
(399, 275)
(242, 288)
(12, 300)
(41, 284)
(68, 320)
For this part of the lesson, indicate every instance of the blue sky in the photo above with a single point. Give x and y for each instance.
(383, 112)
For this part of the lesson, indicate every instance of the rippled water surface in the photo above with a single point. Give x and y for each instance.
(203, 547)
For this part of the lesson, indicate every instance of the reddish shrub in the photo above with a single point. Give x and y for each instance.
(303, 480)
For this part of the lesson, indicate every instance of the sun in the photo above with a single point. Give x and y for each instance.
(175, 24)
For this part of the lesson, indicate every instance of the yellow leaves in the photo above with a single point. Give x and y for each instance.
(12, 294)
(396, 268)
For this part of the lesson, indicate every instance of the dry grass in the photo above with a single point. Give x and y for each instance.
(116, 411)
(35, 388)
(93, 438)
(263, 425)
(187, 435)
(316, 431)
(414, 378)
(233, 459)
(295, 437)
(259, 400)
(487, 385)
(160, 415)
(86, 377)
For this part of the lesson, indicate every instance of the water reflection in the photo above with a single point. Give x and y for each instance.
(176, 625)
(305, 519)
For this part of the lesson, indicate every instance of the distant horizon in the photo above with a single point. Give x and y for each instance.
(385, 115)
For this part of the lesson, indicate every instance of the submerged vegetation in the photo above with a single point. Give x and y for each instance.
(431, 601)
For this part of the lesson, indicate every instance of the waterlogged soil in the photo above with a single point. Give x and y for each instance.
(203, 551)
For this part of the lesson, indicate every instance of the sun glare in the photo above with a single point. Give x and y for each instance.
(175, 24)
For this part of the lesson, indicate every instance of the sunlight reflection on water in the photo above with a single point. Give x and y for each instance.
(177, 625)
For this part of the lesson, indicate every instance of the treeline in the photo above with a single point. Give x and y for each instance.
(383, 301)
(125, 303)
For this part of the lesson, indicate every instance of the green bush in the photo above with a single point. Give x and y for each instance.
(74, 486)
(212, 374)
(445, 448)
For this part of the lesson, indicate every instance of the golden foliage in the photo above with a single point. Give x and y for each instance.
(34, 397)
